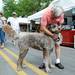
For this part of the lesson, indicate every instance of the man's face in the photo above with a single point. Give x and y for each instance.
(14, 15)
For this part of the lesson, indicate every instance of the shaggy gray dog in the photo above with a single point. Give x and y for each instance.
(38, 41)
(26, 40)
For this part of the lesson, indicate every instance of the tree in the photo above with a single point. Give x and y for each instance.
(9, 7)
(27, 7)
(24, 7)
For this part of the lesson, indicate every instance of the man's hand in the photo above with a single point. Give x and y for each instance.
(55, 37)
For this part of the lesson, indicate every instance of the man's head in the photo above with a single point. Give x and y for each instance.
(57, 11)
(14, 14)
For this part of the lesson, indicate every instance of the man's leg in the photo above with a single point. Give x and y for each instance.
(57, 52)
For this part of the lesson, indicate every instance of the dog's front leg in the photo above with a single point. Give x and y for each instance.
(50, 62)
(46, 60)
(22, 54)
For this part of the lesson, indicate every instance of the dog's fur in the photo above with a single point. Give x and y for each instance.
(29, 39)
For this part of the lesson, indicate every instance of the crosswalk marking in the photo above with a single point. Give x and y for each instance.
(11, 63)
(34, 68)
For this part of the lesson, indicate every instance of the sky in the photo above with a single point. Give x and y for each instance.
(1, 6)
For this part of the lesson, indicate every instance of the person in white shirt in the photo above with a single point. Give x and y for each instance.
(13, 21)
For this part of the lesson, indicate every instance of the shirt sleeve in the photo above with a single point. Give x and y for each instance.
(43, 21)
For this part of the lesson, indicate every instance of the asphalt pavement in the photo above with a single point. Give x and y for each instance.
(9, 56)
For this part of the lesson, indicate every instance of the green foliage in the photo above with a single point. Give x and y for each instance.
(27, 7)
(24, 7)
(9, 7)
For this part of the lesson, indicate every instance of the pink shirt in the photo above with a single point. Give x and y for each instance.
(47, 19)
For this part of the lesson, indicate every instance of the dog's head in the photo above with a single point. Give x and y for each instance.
(10, 33)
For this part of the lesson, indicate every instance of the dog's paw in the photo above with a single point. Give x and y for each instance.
(52, 66)
(42, 66)
(24, 66)
(47, 69)
(19, 68)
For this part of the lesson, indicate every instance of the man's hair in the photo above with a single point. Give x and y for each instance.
(57, 11)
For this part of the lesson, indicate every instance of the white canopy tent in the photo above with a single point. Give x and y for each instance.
(36, 15)
(65, 4)
(23, 20)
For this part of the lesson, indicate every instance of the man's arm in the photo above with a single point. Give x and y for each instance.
(44, 25)
(47, 31)
(44, 28)
(54, 36)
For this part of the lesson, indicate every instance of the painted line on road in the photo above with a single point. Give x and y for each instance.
(31, 66)
(11, 63)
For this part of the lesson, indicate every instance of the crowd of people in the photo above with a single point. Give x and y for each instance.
(12, 21)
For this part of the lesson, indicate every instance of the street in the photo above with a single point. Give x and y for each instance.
(9, 56)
